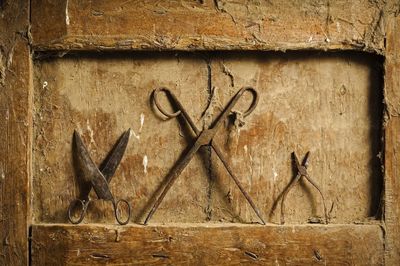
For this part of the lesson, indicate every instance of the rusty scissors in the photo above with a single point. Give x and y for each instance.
(98, 179)
(203, 138)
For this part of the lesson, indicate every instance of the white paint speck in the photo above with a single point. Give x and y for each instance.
(310, 39)
(275, 173)
(245, 148)
(145, 162)
(132, 133)
(141, 122)
(44, 86)
(2, 175)
(91, 134)
(66, 13)
(338, 26)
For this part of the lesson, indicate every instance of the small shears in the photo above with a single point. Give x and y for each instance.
(98, 179)
(203, 138)
(301, 172)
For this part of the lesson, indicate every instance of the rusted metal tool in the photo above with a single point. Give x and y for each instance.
(302, 172)
(203, 138)
(98, 179)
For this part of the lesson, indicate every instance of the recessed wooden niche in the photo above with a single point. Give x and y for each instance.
(328, 103)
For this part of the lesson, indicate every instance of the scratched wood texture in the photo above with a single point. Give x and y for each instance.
(392, 142)
(15, 131)
(209, 25)
(66, 25)
(328, 104)
(200, 245)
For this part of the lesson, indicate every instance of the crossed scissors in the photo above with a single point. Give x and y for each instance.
(99, 178)
(301, 171)
(203, 138)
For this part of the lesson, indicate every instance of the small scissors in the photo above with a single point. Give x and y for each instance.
(302, 171)
(203, 138)
(99, 179)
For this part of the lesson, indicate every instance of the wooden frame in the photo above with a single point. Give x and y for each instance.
(60, 26)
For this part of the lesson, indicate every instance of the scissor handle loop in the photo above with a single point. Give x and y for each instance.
(158, 105)
(253, 103)
(116, 211)
(84, 204)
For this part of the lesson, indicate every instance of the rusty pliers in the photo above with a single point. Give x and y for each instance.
(301, 172)
(203, 138)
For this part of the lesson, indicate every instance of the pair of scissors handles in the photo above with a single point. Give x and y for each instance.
(182, 110)
(84, 206)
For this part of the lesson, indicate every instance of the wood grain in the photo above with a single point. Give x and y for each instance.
(198, 244)
(323, 103)
(15, 132)
(208, 25)
(392, 143)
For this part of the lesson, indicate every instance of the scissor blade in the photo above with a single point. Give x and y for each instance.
(172, 176)
(110, 164)
(90, 171)
(296, 160)
(305, 160)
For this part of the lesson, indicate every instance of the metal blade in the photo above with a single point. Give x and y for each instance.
(90, 171)
(305, 160)
(110, 164)
(296, 160)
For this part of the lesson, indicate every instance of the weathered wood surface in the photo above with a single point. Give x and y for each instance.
(196, 244)
(208, 25)
(15, 131)
(328, 104)
(392, 143)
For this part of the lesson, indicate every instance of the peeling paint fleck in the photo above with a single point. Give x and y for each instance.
(141, 122)
(66, 13)
(145, 162)
(91, 134)
(275, 174)
(133, 133)
(2, 174)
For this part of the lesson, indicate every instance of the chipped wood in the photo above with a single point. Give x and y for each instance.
(15, 132)
(198, 244)
(102, 97)
(61, 26)
(213, 25)
(392, 142)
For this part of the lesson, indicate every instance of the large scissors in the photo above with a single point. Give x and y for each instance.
(98, 178)
(301, 172)
(203, 138)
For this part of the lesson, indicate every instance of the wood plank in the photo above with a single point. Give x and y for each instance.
(208, 25)
(15, 131)
(392, 142)
(207, 244)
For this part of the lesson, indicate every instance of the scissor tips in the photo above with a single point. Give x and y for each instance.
(129, 132)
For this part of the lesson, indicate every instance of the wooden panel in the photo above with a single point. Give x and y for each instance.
(101, 98)
(193, 244)
(392, 143)
(208, 24)
(323, 103)
(15, 131)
